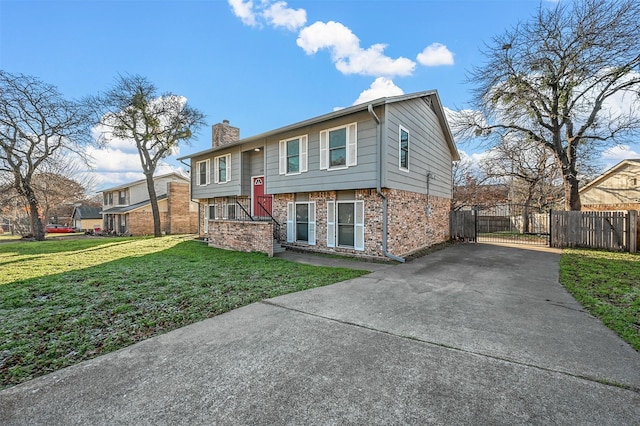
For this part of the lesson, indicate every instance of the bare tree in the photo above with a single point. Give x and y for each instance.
(38, 128)
(133, 110)
(472, 187)
(567, 80)
(529, 169)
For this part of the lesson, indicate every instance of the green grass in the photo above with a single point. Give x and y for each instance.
(62, 302)
(607, 284)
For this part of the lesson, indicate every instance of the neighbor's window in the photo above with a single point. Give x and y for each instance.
(404, 149)
(293, 155)
(222, 166)
(202, 168)
(338, 147)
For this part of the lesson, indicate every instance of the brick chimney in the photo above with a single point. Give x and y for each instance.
(223, 133)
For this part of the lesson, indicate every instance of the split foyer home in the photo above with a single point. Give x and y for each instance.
(372, 180)
(616, 189)
(126, 209)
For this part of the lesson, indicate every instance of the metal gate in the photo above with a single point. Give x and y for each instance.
(502, 223)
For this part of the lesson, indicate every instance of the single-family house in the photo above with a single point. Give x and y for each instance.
(372, 180)
(616, 189)
(126, 209)
(86, 218)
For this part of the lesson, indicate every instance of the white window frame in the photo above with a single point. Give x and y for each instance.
(216, 168)
(358, 224)
(303, 161)
(351, 147)
(400, 130)
(311, 225)
(207, 171)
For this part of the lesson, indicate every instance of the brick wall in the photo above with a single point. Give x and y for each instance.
(242, 235)
(181, 220)
(141, 222)
(610, 207)
(409, 227)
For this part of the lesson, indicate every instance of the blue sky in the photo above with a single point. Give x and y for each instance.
(261, 64)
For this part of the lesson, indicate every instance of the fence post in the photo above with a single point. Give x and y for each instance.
(632, 227)
(550, 225)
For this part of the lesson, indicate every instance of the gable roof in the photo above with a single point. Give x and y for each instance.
(87, 212)
(138, 182)
(347, 111)
(612, 171)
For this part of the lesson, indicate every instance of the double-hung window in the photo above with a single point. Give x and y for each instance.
(345, 224)
(202, 169)
(301, 222)
(403, 149)
(339, 147)
(222, 168)
(293, 155)
(122, 197)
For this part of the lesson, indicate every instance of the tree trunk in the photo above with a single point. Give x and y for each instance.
(571, 196)
(153, 199)
(36, 223)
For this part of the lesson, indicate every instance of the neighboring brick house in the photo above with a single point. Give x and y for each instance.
(371, 180)
(126, 209)
(616, 189)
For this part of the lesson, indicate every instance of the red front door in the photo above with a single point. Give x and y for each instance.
(261, 202)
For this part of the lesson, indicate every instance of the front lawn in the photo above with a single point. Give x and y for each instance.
(607, 284)
(62, 302)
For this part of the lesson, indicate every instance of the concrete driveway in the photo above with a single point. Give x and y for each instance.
(473, 334)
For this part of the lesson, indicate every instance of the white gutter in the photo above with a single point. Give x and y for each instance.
(379, 187)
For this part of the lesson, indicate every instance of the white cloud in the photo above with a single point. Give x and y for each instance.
(616, 154)
(244, 11)
(434, 55)
(382, 87)
(347, 54)
(279, 15)
(275, 14)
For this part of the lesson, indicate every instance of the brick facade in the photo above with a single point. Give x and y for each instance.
(244, 236)
(180, 219)
(409, 227)
(176, 214)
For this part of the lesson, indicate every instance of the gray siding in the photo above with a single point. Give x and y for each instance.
(212, 190)
(252, 165)
(428, 149)
(356, 177)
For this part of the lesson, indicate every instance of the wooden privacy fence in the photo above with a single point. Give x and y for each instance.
(602, 230)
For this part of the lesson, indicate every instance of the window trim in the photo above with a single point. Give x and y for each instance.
(303, 155)
(216, 169)
(292, 224)
(358, 224)
(351, 147)
(400, 130)
(207, 172)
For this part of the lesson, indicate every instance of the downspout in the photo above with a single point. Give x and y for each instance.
(379, 187)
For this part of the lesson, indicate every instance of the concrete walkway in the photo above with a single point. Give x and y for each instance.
(473, 334)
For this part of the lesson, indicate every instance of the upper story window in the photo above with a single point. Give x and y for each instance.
(339, 147)
(222, 168)
(403, 149)
(202, 169)
(108, 198)
(293, 155)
